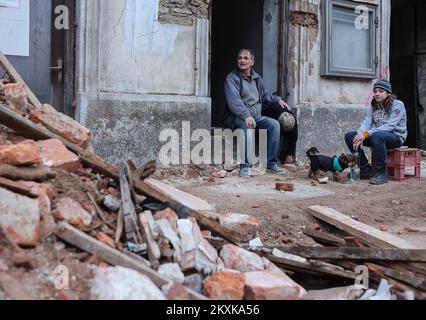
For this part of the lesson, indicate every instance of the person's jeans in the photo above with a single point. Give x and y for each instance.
(273, 130)
(379, 142)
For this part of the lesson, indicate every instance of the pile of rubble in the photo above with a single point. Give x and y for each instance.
(152, 241)
(145, 236)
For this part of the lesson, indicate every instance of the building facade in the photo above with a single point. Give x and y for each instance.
(138, 67)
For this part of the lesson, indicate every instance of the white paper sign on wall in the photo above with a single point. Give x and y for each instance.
(15, 27)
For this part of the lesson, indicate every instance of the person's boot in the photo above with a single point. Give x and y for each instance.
(365, 172)
(381, 177)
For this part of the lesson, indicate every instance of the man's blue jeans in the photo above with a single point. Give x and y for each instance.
(379, 142)
(273, 128)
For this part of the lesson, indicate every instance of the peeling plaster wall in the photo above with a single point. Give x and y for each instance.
(324, 103)
(305, 83)
(183, 11)
(137, 76)
(141, 55)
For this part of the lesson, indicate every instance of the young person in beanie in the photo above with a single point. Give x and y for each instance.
(384, 127)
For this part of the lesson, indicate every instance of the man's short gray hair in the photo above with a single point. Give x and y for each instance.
(249, 51)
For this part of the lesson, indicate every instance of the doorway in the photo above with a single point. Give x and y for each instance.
(238, 24)
(408, 65)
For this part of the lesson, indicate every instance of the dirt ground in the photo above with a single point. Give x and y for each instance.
(398, 207)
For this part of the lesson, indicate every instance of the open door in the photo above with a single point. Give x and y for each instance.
(238, 24)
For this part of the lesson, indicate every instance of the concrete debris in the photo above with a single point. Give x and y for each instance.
(123, 284)
(69, 210)
(19, 218)
(112, 203)
(172, 271)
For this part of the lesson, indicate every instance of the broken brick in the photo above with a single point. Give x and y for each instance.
(25, 153)
(105, 239)
(67, 295)
(54, 154)
(246, 226)
(225, 285)
(3, 267)
(42, 191)
(19, 218)
(271, 286)
(177, 292)
(285, 186)
(169, 215)
(16, 95)
(22, 260)
(236, 258)
(62, 125)
(69, 210)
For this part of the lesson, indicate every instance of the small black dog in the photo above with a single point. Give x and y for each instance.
(334, 164)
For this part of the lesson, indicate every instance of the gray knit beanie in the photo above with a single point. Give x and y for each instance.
(383, 84)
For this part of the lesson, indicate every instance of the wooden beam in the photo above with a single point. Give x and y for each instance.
(131, 226)
(310, 267)
(369, 234)
(112, 256)
(154, 253)
(17, 187)
(28, 174)
(405, 277)
(353, 253)
(325, 238)
(15, 77)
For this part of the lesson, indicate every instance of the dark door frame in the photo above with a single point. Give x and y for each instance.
(63, 47)
(283, 48)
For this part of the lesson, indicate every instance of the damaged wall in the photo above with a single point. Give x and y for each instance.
(313, 93)
(183, 11)
(137, 76)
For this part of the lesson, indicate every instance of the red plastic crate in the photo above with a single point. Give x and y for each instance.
(398, 173)
(404, 157)
(400, 161)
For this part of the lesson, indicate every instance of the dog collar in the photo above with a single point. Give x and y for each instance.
(336, 165)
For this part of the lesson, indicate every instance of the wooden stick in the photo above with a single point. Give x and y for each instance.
(353, 253)
(358, 229)
(28, 174)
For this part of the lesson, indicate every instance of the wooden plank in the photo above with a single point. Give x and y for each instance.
(353, 253)
(152, 225)
(15, 77)
(112, 256)
(180, 196)
(299, 264)
(325, 238)
(154, 253)
(311, 267)
(129, 213)
(405, 277)
(28, 174)
(369, 234)
(17, 188)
